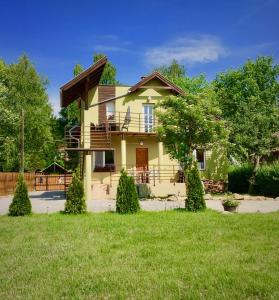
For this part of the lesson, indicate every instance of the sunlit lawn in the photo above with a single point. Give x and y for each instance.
(170, 255)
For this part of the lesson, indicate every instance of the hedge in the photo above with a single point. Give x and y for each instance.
(266, 180)
(238, 178)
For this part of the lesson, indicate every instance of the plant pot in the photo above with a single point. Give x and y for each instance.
(230, 208)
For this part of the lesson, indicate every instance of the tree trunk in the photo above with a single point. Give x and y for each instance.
(256, 164)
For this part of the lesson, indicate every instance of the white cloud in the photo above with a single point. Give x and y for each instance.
(191, 50)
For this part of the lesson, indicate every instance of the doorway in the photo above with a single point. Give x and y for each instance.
(142, 165)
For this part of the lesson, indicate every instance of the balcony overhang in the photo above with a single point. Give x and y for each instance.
(78, 87)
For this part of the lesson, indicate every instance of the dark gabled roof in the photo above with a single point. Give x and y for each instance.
(75, 88)
(156, 75)
(54, 168)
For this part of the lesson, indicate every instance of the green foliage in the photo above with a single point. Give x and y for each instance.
(21, 87)
(127, 197)
(75, 200)
(195, 194)
(21, 204)
(267, 180)
(109, 73)
(248, 97)
(230, 203)
(176, 73)
(187, 123)
(239, 177)
(172, 71)
(143, 190)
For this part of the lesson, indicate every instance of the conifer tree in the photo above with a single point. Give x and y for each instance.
(127, 197)
(195, 195)
(75, 199)
(21, 204)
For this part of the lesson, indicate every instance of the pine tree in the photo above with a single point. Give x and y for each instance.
(127, 198)
(21, 204)
(75, 199)
(195, 195)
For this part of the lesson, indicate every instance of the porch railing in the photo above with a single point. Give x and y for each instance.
(152, 174)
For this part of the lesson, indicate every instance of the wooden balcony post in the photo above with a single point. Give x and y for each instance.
(139, 123)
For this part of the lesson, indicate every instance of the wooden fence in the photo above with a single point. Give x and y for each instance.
(8, 182)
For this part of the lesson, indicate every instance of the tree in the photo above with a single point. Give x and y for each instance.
(248, 97)
(187, 123)
(109, 72)
(127, 198)
(195, 200)
(75, 199)
(21, 204)
(172, 71)
(21, 87)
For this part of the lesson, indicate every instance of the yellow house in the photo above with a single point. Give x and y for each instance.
(117, 131)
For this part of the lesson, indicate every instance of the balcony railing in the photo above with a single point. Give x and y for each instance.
(98, 136)
(129, 122)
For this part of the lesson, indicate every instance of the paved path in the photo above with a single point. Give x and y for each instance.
(44, 202)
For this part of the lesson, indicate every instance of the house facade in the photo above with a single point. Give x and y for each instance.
(118, 131)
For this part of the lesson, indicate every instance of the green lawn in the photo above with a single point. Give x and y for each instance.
(170, 255)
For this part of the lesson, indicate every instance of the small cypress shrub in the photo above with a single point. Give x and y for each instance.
(75, 199)
(126, 198)
(21, 204)
(195, 194)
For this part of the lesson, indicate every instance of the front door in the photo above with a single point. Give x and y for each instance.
(142, 165)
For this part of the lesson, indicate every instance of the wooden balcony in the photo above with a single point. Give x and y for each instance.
(98, 136)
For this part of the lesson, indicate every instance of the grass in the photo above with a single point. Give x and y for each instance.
(170, 255)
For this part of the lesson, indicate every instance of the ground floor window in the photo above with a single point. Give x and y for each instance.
(200, 157)
(103, 161)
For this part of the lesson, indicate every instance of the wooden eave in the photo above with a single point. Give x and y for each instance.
(156, 75)
(78, 87)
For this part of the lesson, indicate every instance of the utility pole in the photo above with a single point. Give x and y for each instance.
(22, 142)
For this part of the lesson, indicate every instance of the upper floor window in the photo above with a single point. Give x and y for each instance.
(148, 117)
(110, 111)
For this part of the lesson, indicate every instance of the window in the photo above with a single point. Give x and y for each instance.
(110, 111)
(103, 161)
(148, 118)
(200, 157)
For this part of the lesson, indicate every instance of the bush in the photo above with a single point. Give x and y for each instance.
(195, 195)
(127, 198)
(21, 204)
(75, 200)
(143, 191)
(267, 180)
(238, 178)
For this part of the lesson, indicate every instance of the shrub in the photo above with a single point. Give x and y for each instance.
(143, 190)
(195, 195)
(127, 198)
(230, 203)
(75, 200)
(21, 204)
(267, 180)
(238, 178)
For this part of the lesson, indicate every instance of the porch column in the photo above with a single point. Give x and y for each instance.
(123, 154)
(88, 179)
(160, 158)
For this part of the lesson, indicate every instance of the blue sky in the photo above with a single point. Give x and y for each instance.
(206, 36)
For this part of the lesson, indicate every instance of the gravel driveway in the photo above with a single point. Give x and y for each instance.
(44, 202)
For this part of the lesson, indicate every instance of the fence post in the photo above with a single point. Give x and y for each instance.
(110, 179)
(173, 175)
